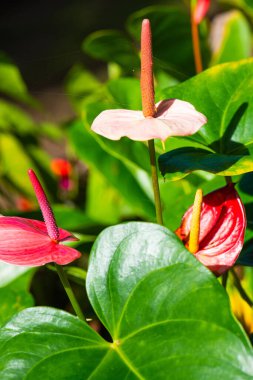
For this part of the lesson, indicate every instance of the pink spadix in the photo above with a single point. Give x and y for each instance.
(170, 117)
(52, 229)
(222, 228)
(34, 243)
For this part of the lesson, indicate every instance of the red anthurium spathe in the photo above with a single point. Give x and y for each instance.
(34, 243)
(171, 117)
(200, 10)
(222, 228)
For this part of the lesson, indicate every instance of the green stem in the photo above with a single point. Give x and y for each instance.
(158, 208)
(69, 291)
(240, 289)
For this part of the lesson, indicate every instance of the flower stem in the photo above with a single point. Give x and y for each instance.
(196, 45)
(158, 208)
(240, 289)
(69, 291)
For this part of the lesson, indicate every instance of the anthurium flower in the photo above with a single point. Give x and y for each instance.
(200, 10)
(31, 242)
(62, 168)
(171, 117)
(222, 228)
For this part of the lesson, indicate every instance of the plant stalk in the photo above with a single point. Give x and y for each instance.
(158, 207)
(196, 45)
(69, 291)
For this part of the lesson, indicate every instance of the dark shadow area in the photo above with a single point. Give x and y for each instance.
(246, 255)
(225, 144)
(186, 160)
(44, 38)
(246, 183)
(249, 214)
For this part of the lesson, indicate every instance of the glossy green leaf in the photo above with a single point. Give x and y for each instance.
(185, 160)
(37, 334)
(222, 93)
(171, 31)
(236, 41)
(150, 292)
(112, 46)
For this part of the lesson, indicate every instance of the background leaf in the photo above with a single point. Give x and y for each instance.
(112, 46)
(236, 41)
(170, 29)
(219, 93)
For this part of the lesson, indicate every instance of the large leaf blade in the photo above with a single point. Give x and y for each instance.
(220, 94)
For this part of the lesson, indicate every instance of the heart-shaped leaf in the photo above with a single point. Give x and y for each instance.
(225, 143)
(168, 316)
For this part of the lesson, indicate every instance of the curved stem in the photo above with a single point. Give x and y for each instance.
(240, 289)
(69, 291)
(158, 207)
(196, 45)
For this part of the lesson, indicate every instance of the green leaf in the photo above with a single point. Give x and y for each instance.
(99, 189)
(236, 42)
(11, 82)
(38, 333)
(245, 6)
(15, 166)
(13, 119)
(112, 46)
(185, 160)
(14, 294)
(126, 93)
(224, 94)
(12, 301)
(171, 37)
(80, 84)
(168, 316)
(9, 273)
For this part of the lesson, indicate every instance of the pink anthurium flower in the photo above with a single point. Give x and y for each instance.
(222, 228)
(171, 117)
(34, 243)
(200, 10)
